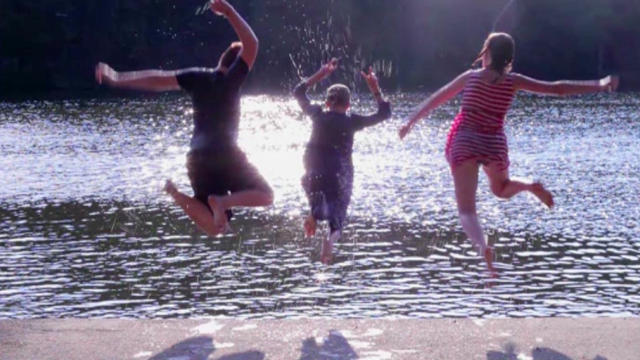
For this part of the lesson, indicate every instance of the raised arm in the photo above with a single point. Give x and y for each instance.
(564, 87)
(246, 35)
(300, 91)
(438, 98)
(324, 72)
(384, 108)
(146, 80)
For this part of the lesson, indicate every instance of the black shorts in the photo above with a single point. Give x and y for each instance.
(220, 172)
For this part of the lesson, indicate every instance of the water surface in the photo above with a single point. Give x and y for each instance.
(86, 232)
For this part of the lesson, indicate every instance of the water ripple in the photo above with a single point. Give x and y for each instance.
(85, 232)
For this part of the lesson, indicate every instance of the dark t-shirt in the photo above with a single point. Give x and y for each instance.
(331, 144)
(216, 104)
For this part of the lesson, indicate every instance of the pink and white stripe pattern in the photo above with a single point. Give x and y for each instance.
(478, 129)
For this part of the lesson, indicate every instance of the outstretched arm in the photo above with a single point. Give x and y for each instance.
(246, 35)
(300, 91)
(565, 87)
(147, 80)
(438, 98)
(384, 108)
(324, 72)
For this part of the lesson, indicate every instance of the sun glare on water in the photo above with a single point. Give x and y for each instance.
(273, 134)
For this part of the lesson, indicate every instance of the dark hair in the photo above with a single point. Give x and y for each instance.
(230, 55)
(502, 49)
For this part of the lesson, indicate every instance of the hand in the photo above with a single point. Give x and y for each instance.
(404, 131)
(328, 68)
(610, 83)
(372, 80)
(221, 7)
(105, 74)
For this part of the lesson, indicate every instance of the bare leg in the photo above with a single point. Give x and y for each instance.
(465, 180)
(326, 253)
(250, 198)
(310, 225)
(196, 210)
(503, 187)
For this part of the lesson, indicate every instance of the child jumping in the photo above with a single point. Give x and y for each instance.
(220, 174)
(477, 136)
(328, 178)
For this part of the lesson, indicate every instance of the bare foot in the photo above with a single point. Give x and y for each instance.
(170, 187)
(310, 225)
(544, 195)
(219, 215)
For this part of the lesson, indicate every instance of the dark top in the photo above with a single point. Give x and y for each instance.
(216, 104)
(331, 143)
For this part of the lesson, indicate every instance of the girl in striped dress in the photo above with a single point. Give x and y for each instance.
(477, 135)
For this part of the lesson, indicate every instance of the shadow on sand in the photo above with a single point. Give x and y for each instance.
(510, 352)
(200, 348)
(334, 346)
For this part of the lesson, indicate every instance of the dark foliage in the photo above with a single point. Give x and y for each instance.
(52, 45)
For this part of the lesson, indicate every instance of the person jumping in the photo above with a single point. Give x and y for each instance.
(220, 174)
(328, 178)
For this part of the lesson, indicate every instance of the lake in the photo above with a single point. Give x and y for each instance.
(85, 230)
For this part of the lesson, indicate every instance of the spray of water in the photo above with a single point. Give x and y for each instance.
(333, 38)
(203, 9)
(319, 40)
(502, 14)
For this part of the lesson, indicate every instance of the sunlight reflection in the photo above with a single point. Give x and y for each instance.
(82, 184)
(273, 134)
(321, 277)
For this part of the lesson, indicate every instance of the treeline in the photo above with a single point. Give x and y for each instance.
(52, 45)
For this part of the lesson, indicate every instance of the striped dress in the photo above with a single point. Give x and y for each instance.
(478, 129)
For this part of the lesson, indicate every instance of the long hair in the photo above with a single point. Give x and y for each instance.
(502, 49)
